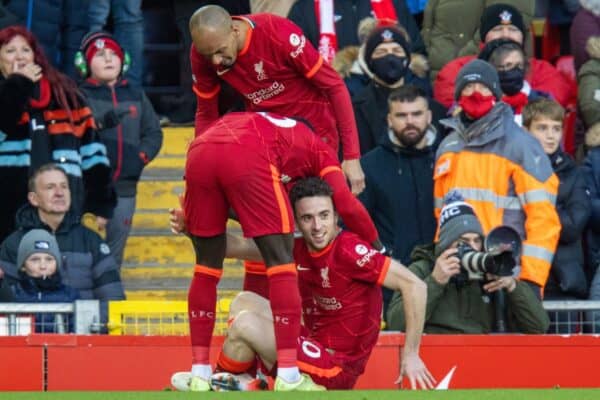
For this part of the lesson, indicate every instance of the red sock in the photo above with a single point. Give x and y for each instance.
(202, 301)
(255, 278)
(286, 306)
(225, 363)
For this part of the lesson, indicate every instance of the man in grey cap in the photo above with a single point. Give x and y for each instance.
(499, 169)
(456, 302)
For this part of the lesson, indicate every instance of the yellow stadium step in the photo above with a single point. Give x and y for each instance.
(176, 141)
(158, 219)
(231, 269)
(170, 294)
(159, 194)
(166, 162)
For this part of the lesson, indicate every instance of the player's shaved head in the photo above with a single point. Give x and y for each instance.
(210, 18)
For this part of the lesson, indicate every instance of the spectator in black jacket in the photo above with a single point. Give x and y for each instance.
(127, 125)
(567, 281)
(87, 264)
(385, 59)
(399, 176)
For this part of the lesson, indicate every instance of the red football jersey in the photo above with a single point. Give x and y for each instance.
(279, 71)
(341, 296)
(296, 152)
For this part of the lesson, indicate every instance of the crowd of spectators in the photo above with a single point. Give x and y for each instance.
(448, 96)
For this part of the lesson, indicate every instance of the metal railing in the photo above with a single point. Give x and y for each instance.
(573, 316)
(81, 317)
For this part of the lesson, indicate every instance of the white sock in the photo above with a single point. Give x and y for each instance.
(203, 371)
(291, 374)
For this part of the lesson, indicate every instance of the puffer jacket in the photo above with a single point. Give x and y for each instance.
(457, 309)
(567, 276)
(502, 172)
(136, 140)
(88, 265)
(26, 290)
(449, 32)
(542, 76)
(588, 78)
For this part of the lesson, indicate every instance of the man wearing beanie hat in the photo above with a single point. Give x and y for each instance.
(499, 169)
(386, 59)
(456, 304)
(40, 281)
(505, 21)
(127, 125)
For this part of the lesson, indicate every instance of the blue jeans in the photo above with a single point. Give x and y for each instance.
(128, 30)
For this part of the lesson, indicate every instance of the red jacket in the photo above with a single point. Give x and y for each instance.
(542, 76)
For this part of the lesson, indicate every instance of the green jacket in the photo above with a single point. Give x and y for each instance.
(449, 31)
(588, 78)
(464, 310)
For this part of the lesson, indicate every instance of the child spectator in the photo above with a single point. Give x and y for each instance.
(127, 125)
(567, 281)
(40, 280)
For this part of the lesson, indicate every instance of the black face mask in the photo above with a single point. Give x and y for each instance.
(511, 81)
(390, 68)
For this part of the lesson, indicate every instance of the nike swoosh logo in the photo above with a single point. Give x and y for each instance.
(221, 72)
(301, 268)
(445, 383)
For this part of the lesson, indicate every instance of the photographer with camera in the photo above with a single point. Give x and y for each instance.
(470, 290)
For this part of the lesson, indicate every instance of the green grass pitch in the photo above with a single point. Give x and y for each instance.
(488, 394)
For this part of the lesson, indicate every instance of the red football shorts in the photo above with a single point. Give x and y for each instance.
(223, 175)
(322, 366)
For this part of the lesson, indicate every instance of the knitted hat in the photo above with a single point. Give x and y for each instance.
(493, 45)
(95, 41)
(456, 219)
(477, 71)
(385, 34)
(500, 14)
(38, 241)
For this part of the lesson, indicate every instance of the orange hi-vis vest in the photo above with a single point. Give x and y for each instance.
(507, 178)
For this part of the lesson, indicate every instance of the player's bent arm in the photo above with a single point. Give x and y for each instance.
(241, 248)
(414, 294)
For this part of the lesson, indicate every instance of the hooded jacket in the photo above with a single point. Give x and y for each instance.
(567, 276)
(136, 140)
(459, 309)
(591, 170)
(88, 265)
(502, 172)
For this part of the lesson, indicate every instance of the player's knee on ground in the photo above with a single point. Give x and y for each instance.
(244, 326)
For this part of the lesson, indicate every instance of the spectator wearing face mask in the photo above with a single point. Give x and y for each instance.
(508, 57)
(499, 169)
(385, 57)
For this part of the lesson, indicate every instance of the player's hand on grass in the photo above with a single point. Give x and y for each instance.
(355, 175)
(417, 373)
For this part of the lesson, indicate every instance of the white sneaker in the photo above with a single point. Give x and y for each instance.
(185, 382)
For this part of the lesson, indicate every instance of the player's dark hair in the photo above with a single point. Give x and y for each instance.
(309, 187)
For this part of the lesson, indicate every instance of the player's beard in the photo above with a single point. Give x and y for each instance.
(410, 139)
